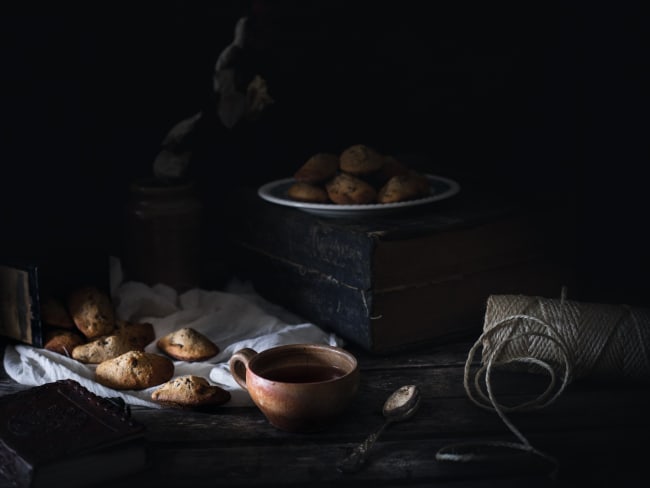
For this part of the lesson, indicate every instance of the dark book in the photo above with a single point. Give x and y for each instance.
(61, 434)
(393, 282)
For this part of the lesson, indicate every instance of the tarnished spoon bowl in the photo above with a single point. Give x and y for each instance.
(400, 405)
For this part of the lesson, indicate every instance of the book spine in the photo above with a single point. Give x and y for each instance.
(19, 304)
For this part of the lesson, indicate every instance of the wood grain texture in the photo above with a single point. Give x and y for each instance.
(596, 431)
(391, 283)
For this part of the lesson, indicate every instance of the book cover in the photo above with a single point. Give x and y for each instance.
(25, 282)
(19, 314)
(61, 434)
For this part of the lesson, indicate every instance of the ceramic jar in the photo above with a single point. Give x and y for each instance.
(163, 234)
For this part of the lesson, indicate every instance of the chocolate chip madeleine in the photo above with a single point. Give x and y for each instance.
(360, 160)
(187, 344)
(404, 187)
(134, 370)
(54, 313)
(139, 334)
(345, 189)
(307, 192)
(318, 168)
(102, 348)
(190, 391)
(62, 341)
(92, 311)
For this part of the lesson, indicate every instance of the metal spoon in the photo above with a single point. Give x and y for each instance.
(400, 405)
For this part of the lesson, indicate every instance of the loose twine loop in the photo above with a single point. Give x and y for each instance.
(564, 339)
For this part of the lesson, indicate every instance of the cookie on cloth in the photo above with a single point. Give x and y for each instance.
(139, 334)
(187, 344)
(134, 370)
(92, 311)
(62, 341)
(103, 348)
(190, 391)
(54, 313)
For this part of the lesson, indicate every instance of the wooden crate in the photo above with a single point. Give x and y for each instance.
(404, 280)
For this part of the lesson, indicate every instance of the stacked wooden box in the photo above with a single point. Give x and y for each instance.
(407, 279)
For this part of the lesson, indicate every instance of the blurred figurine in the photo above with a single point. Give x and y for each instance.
(176, 150)
(240, 94)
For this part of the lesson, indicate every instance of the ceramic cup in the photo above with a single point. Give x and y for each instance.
(298, 387)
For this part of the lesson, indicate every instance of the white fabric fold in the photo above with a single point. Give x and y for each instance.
(232, 319)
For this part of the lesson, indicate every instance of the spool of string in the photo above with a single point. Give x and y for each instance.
(564, 339)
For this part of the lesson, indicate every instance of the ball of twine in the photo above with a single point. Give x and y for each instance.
(603, 342)
(565, 339)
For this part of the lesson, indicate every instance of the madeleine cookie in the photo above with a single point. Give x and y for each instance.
(318, 168)
(139, 334)
(307, 192)
(134, 370)
(392, 167)
(345, 189)
(404, 187)
(92, 312)
(102, 349)
(360, 160)
(187, 344)
(62, 341)
(190, 391)
(54, 313)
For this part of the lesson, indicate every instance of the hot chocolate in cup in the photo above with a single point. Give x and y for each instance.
(298, 387)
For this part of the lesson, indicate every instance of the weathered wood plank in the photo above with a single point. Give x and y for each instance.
(304, 464)
(445, 409)
(595, 430)
(309, 462)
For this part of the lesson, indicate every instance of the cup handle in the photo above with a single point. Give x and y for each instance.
(239, 364)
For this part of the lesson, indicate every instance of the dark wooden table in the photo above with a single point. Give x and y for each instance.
(597, 432)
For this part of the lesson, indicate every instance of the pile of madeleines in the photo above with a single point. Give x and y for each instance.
(83, 326)
(359, 175)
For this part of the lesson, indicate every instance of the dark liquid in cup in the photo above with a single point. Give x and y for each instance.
(310, 373)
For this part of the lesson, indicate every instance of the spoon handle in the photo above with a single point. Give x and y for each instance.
(358, 456)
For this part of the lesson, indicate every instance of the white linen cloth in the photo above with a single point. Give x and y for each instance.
(232, 319)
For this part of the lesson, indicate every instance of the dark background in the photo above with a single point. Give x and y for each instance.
(536, 100)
